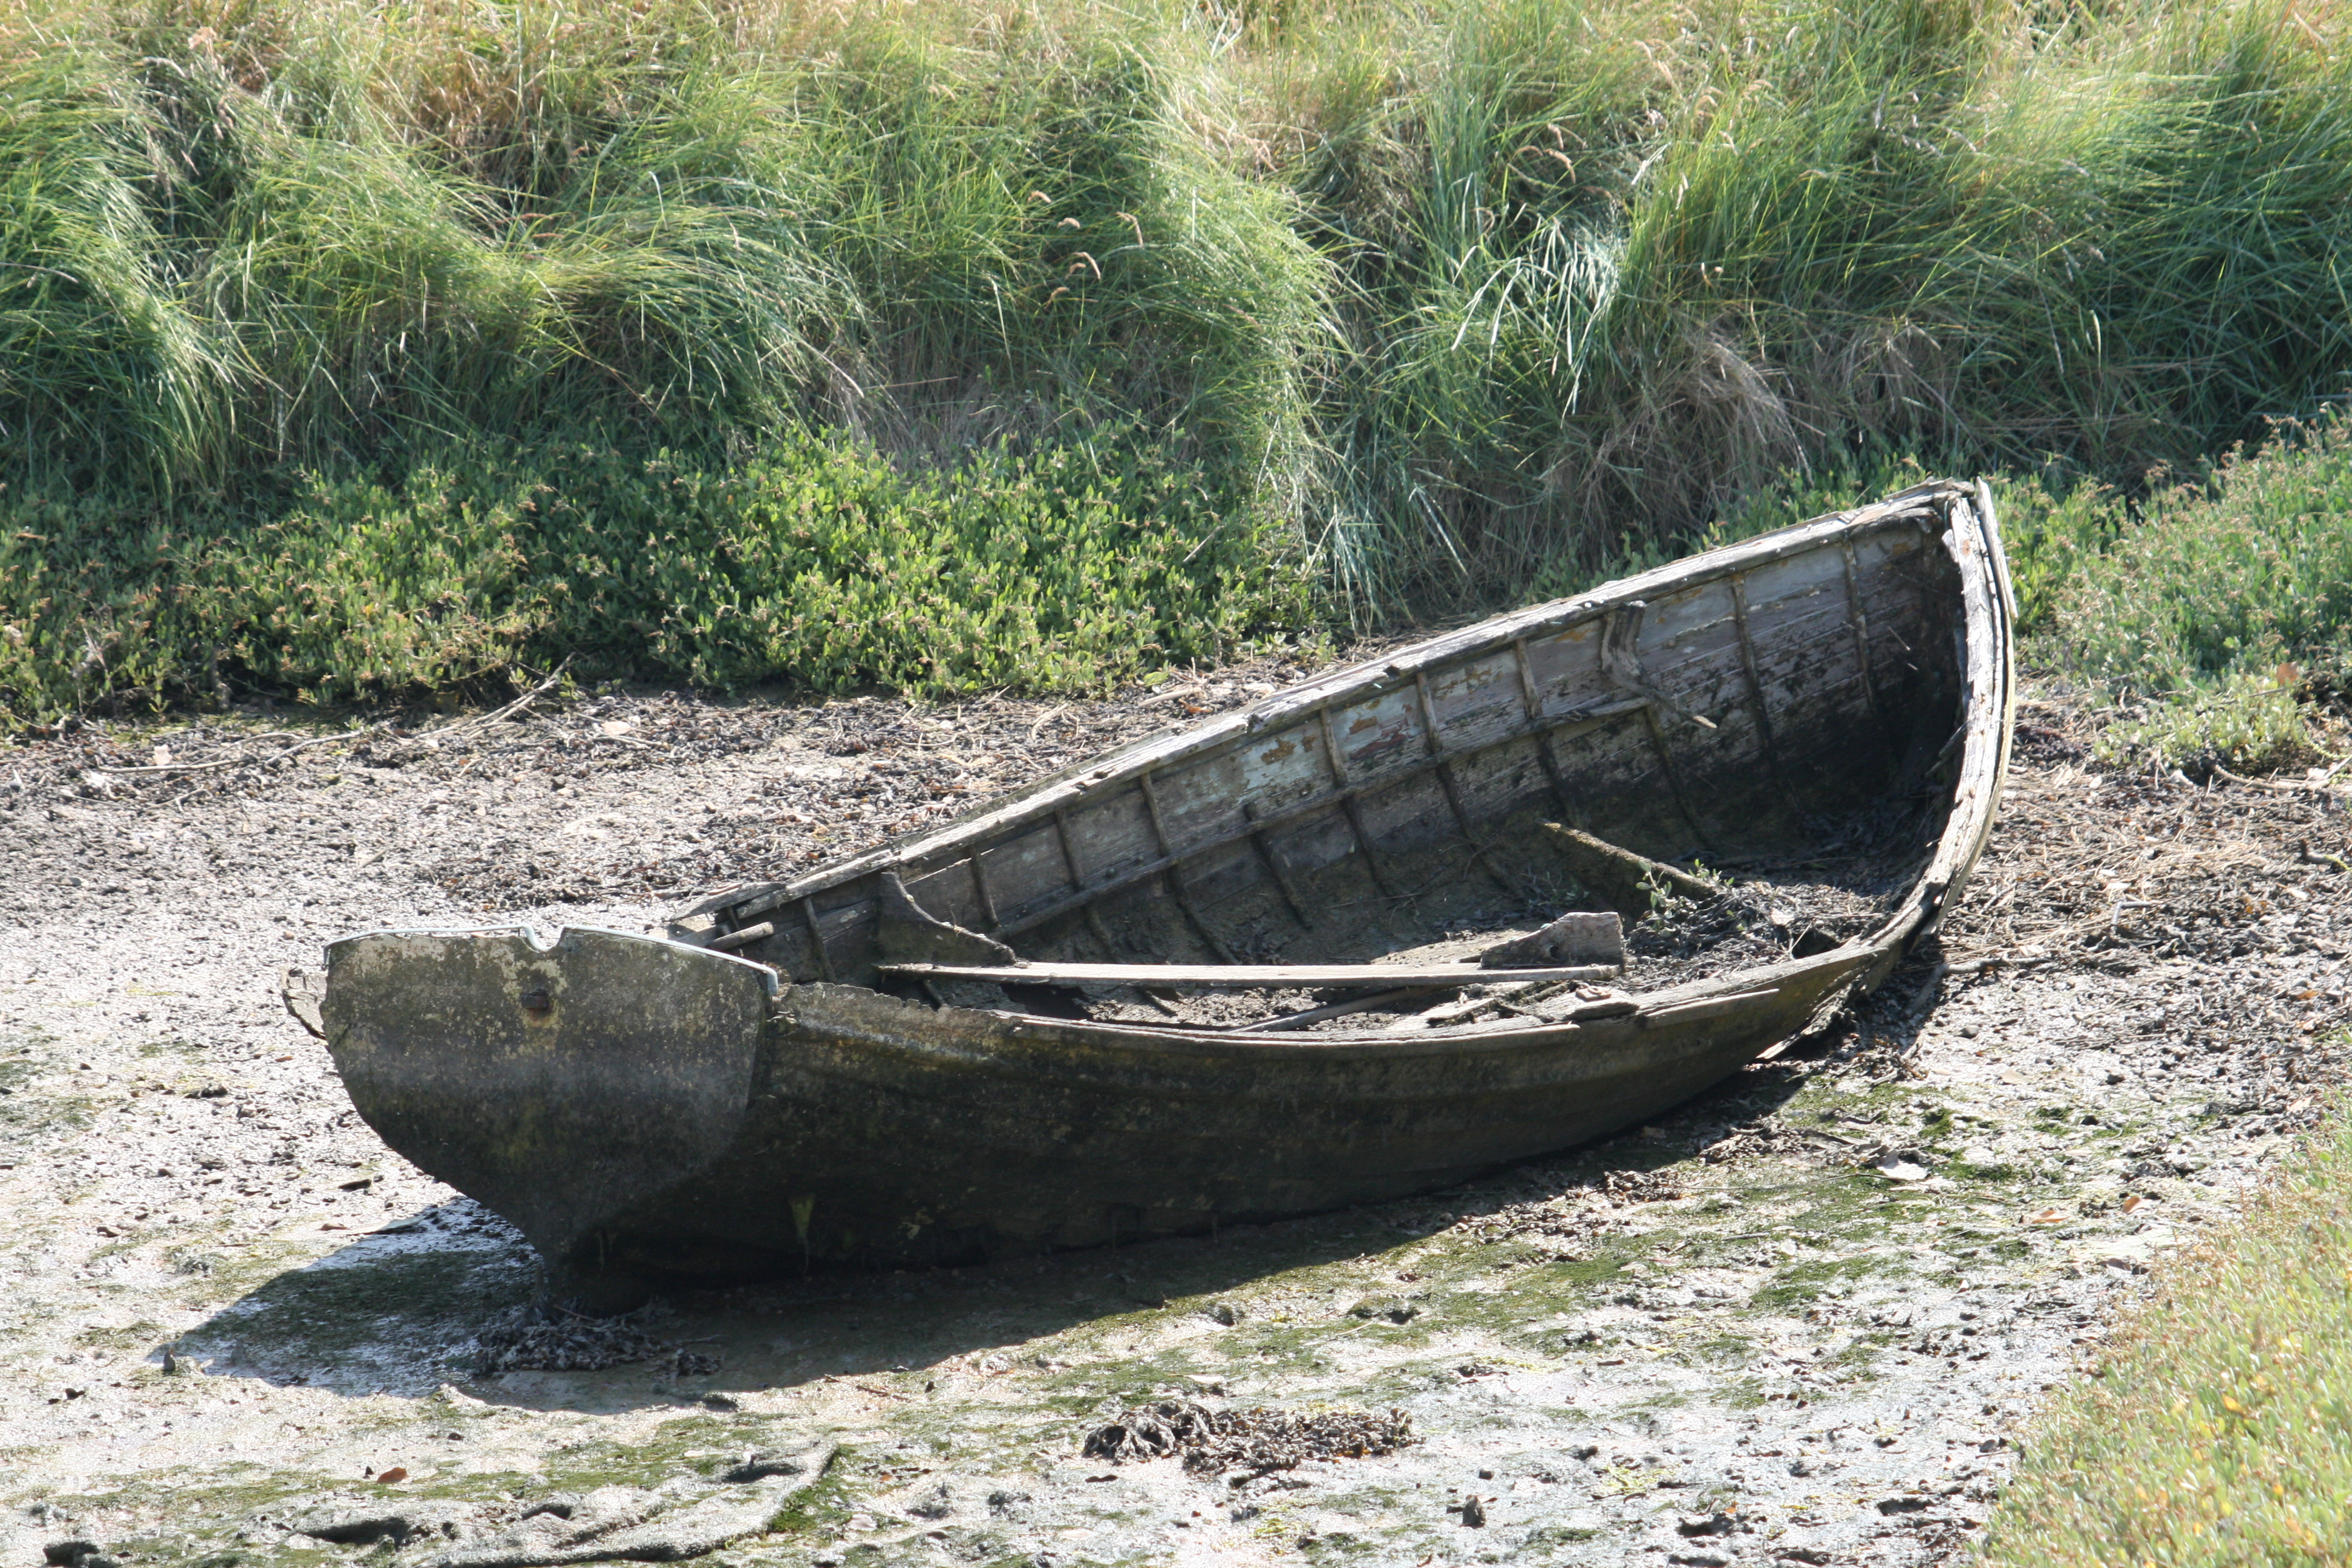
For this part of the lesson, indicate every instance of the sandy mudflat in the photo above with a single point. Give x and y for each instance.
(1801, 1318)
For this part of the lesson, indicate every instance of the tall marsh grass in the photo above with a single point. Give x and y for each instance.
(1465, 296)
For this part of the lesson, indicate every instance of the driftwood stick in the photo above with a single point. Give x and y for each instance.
(1621, 878)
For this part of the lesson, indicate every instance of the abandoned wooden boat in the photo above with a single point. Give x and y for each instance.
(901, 1058)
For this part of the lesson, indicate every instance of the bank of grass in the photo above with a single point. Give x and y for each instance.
(2218, 1430)
(1444, 300)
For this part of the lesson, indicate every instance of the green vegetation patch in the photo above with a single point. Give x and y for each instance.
(27, 1113)
(2212, 608)
(812, 563)
(2218, 1429)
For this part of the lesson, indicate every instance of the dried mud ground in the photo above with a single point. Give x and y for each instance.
(1804, 1318)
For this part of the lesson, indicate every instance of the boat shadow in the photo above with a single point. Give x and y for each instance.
(400, 1311)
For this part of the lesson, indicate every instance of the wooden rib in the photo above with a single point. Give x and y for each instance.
(1754, 679)
(1249, 976)
(1314, 805)
(1069, 851)
(1274, 867)
(1348, 803)
(1673, 774)
(1452, 787)
(816, 938)
(1078, 886)
(1175, 877)
(1534, 700)
(979, 885)
(1101, 931)
(1858, 620)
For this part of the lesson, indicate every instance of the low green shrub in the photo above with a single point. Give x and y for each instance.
(2218, 1431)
(811, 562)
(2245, 570)
(2246, 721)
(2213, 605)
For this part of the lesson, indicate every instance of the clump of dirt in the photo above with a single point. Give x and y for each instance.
(1256, 1440)
(1564, 1228)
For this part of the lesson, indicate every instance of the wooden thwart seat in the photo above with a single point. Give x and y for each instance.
(1244, 976)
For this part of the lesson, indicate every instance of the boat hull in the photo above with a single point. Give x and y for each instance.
(711, 1129)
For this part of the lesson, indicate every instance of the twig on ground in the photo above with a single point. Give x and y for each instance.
(2290, 786)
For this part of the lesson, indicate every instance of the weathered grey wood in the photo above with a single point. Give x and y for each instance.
(302, 990)
(1238, 976)
(744, 938)
(1579, 936)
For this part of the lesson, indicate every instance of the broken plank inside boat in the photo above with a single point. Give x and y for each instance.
(1493, 894)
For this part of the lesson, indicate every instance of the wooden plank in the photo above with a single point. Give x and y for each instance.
(1244, 976)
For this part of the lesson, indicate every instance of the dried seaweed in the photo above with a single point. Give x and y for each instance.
(1256, 1440)
(529, 1340)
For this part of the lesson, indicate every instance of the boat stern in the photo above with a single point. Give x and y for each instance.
(558, 1080)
